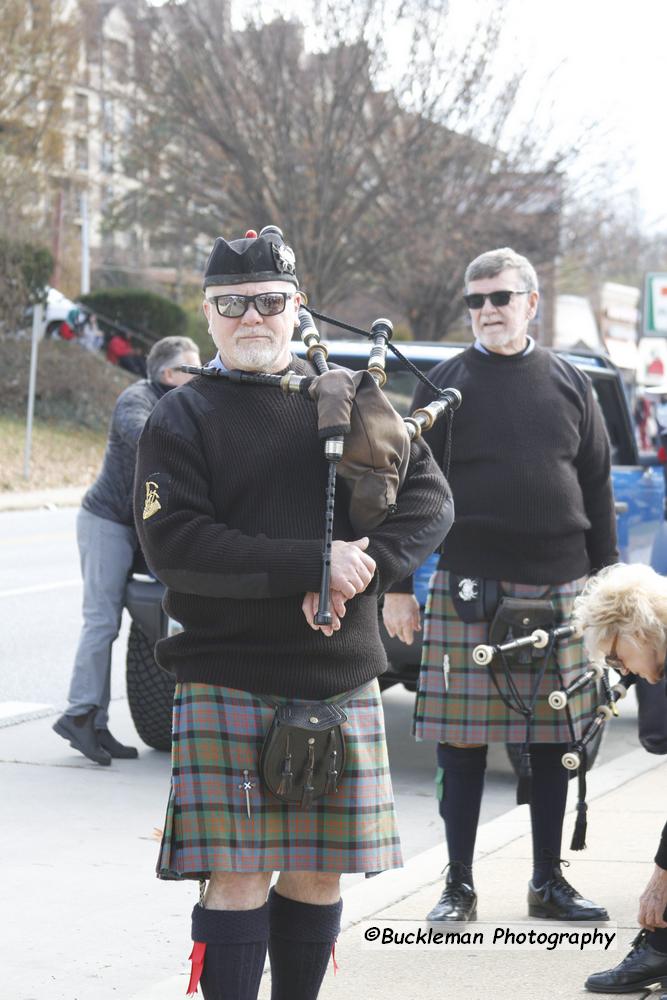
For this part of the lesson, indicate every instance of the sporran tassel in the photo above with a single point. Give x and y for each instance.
(308, 789)
(332, 773)
(286, 777)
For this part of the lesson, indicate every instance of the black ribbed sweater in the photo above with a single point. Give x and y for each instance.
(237, 540)
(530, 469)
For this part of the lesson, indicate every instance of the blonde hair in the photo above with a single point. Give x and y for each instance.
(629, 601)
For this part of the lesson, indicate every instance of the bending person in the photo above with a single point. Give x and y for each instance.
(622, 613)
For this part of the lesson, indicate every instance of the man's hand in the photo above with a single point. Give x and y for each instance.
(352, 568)
(653, 901)
(400, 615)
(311, 604)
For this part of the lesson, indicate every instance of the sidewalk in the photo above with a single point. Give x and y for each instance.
(627, 806)
(84, 918)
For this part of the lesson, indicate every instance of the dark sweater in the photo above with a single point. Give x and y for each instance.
(110, 496)
(530, 469)
(237, 539)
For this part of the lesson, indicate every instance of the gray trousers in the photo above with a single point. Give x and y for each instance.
(106, 552)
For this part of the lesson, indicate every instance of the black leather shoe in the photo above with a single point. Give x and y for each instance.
(112, 746)
(558, 900)
(80, 731)
(457, 903)
(642, 967)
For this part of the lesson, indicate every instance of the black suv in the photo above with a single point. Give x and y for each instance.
(638, 489)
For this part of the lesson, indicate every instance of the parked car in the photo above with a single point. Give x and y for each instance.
(58, 307)
(638, 490)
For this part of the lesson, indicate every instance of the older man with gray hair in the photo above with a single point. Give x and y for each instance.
(107, 544)
(530, 476)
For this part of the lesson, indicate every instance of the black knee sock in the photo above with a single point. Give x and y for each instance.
(302, 936)
(236, 942)
(548, 799)
(460, 802)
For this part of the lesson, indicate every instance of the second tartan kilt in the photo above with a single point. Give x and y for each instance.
(456, 700)
(217, 735)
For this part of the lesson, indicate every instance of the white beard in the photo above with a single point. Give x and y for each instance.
(258, 355)
(490, 339)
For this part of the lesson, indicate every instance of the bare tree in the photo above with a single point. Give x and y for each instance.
(38, 51)
(381, 180)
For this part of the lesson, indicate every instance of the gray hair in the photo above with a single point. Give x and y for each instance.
(491, 263)
(625, 600)
(167, 353)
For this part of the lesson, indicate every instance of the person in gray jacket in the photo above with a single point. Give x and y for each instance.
(107, 544)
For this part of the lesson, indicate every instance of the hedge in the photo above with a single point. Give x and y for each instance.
(141, 312)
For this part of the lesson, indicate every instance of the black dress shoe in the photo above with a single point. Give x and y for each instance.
(80, 731)
(112, 746)
(642, 967)
(458, 903)
(558, 900)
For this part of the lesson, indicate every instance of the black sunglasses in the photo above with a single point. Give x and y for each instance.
(476, 299)
(266, 303)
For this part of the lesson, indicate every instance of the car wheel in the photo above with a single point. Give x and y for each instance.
(150, 692)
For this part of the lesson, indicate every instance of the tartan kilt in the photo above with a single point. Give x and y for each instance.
(456, 700)
(217, 735)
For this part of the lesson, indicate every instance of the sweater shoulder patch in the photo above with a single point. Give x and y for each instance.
(156, 495)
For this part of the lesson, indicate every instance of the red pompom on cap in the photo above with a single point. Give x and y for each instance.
(251, 235)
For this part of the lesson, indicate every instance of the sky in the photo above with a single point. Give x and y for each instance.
(612, 68)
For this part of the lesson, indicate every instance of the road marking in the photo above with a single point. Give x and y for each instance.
(39, 588)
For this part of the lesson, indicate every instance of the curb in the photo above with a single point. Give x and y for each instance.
(65, 496)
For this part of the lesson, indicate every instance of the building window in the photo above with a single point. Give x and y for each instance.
(81, 153)
(81, 108)
(107, 157)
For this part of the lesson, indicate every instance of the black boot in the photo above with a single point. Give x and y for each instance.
(80, 731)
(558, 900)
(458, 902)
(301, 943)
(236, 942)
(113, 747)
(642, 967)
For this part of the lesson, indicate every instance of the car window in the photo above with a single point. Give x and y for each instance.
(614, 409)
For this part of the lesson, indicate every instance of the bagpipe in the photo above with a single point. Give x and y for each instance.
(575, 758)
(366, 441)
(559, 699)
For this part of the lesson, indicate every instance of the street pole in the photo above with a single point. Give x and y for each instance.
(37, 334)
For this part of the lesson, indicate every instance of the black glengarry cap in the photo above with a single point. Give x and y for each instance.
(254, 258)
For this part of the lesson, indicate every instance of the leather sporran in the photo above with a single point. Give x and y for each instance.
(303, 755)
(517, 617)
